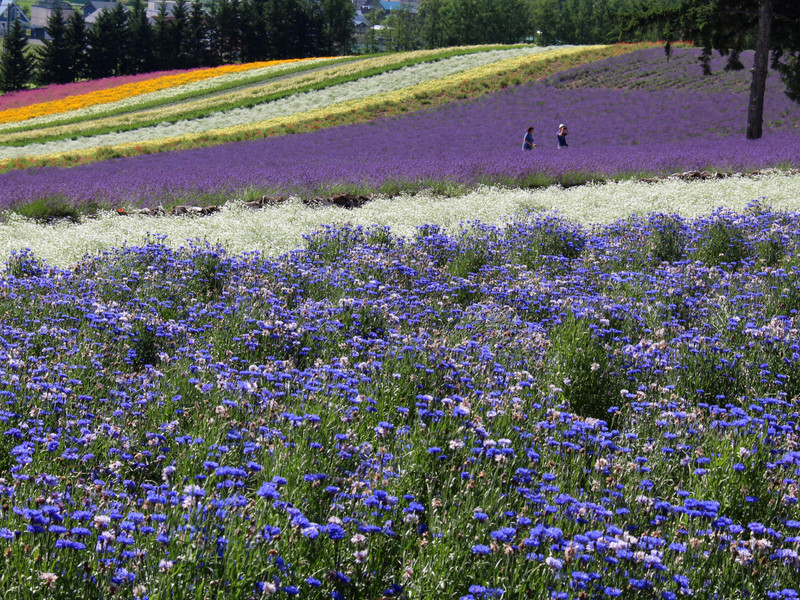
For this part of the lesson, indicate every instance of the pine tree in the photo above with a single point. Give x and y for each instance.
(254, 31)
(179, 30)
(107, 41)
(162, 42)
(338, 28)
(197, 44)
(229, 30)
(140, 40)
(77, 45)
(53, 59)
(15, 67)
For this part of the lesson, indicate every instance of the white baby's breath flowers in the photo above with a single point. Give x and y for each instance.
(277, 229)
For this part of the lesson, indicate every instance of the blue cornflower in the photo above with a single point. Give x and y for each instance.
(481, 549)
(334, 531)
(72, 545)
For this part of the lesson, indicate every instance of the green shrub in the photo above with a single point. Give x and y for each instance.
(667, 241)
(48, 209)
(577, 364)
(723, 243)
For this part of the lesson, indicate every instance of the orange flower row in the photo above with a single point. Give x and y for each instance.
(127, 90)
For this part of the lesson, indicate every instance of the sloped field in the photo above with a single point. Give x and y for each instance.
(416, 120)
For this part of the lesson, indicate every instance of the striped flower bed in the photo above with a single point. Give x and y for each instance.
(127, 90)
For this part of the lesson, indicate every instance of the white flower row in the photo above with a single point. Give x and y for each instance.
(291, 105)
(161, 95)
(279, 228)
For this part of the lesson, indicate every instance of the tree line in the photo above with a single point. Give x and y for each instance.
(122, 41)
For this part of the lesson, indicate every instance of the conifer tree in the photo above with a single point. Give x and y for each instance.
(77, 44)
(179, 34)
(162, 39)
(15, 66)
(254, 30)
(140, 40)
(54, 64)
(197, 42)
(107, 41)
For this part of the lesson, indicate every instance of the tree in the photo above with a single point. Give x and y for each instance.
(546, 19)
(508, 21)
(162, 39)
(53, 60)
(432, 23)
(179, 30)
(403, 30)
(15, 67)
(140, 40)
(286, 21)
(228, 29)
(254, 31)
(197, 43)
(107, 40)
(727, 26)
(76, 44)
(338, 28)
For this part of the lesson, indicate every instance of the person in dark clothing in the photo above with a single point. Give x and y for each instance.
(527, 141)
(562, 136)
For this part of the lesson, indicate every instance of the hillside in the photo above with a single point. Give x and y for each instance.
(407, 121)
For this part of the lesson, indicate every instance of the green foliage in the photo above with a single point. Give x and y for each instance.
(107, 38)
(723, 243)
(333, 241)
(144, 346)
(54, 63)
(15, 66)
(543, 237)
(667, 240)
(579, 370)
(48, 209)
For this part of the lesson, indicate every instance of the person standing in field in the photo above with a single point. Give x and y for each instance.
(562, 136)
(527, 141)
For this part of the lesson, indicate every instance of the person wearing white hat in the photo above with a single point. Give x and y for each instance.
(562, 136)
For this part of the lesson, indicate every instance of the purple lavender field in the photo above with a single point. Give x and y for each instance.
(628, 116)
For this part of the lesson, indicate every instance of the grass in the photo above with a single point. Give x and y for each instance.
(48, 210)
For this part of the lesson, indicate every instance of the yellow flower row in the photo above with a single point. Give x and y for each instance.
(209, 102)
(127, 90)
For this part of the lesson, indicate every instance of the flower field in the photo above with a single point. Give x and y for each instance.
(622, 129)
(126, 90)
(539, 409)
(369, 79)
(477, 384)
(58, 91)
(279, 228)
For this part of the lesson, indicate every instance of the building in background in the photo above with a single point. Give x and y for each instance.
(10, 12)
